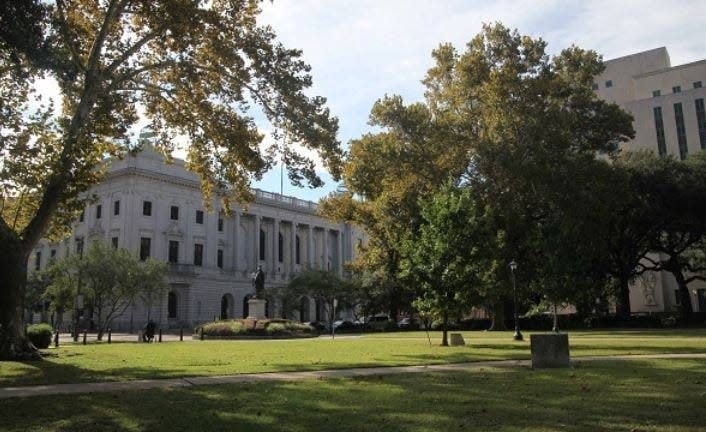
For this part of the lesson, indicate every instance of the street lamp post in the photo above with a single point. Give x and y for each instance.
(518, 335)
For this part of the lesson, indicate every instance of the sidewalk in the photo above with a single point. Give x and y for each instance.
(103, 387)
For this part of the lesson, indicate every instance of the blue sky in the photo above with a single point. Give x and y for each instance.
(361, 50)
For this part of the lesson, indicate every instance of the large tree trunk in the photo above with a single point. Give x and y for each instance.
(622, 308)
(445, 331)
(497, 317)
(686, 308)
(13, 278)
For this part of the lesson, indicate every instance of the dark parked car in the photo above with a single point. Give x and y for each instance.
(408, 323)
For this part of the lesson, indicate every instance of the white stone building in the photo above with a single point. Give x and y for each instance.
(156, 210)
(667, 103)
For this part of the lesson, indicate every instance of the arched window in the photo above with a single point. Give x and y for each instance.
(280, 248)
(225, 306)
(172, 304)
(298, 250)
(246, 306)
(263, 242)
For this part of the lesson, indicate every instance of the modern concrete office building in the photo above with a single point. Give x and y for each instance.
(667, 103)
(156, 210)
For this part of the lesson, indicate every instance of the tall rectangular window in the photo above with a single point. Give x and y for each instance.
(199, 217)
(298, 250)
(82, 216)
(676, 89)
(116, 207)
(99, 211)
(198, 254)
(147, 208)
(701, 121)
(681, 130)
(173, 251)
(697, 84)
(609, 84)
(79, 246)
(114, 242)
(263, 241)
(219, 258)
(220, 224)
(145, 247)
(174, 213)
(38, 261)
(659, 129)
(280, 248)
(52, 254)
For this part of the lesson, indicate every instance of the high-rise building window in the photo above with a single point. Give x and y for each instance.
(114, 242)
(174, 213)
(609, 84)
(697, 84)
(659, 129)
(676, 89)
(701, 121)
(198, 254)
(173, 251)
(220, 224)
(145, 247)
(82, 216)
(656, 93)
(116, 207)
(594, 86)
(38, 260)
(219, 258)
(99, 211)
(280, 248)
(263, 242)
(681, 131)
(147, 208)
(199, 216)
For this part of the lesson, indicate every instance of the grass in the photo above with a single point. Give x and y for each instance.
(129, 361)
(659, 395)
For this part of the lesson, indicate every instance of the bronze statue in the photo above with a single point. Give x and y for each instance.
(258, 281)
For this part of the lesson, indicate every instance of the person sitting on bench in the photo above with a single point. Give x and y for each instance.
(148, 335)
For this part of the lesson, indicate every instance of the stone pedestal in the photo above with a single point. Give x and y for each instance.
(550, 350)
(457, 339)
(256, 309)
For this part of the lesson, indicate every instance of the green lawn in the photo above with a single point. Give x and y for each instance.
(127, 361)
(660, 395)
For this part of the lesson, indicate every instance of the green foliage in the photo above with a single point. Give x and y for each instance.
(40, 335)
(324, 286)
(223, 328)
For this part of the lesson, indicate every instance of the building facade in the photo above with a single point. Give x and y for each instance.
(667, 103)
(156, 210)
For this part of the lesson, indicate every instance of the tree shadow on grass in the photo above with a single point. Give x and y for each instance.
(647, 396)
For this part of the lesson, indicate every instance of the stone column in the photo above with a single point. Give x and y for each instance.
(293, 248)
(236, 243)
(310, 247)
(326, 263)
(275, 247)
(257, 242)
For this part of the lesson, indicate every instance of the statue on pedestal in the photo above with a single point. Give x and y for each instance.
(258, 281)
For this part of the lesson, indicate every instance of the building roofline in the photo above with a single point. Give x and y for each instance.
(617, 59)
(669, 69)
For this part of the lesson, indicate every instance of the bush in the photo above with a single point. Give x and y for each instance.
(391, 326)
(276, 329)
(223, 328)
(298, 327)
(40, 335)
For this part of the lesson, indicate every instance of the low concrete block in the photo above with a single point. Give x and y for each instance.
(550, 350)
(457, 339)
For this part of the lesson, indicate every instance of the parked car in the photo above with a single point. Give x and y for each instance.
(408, 323)
(377, 322)
(344, 326)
